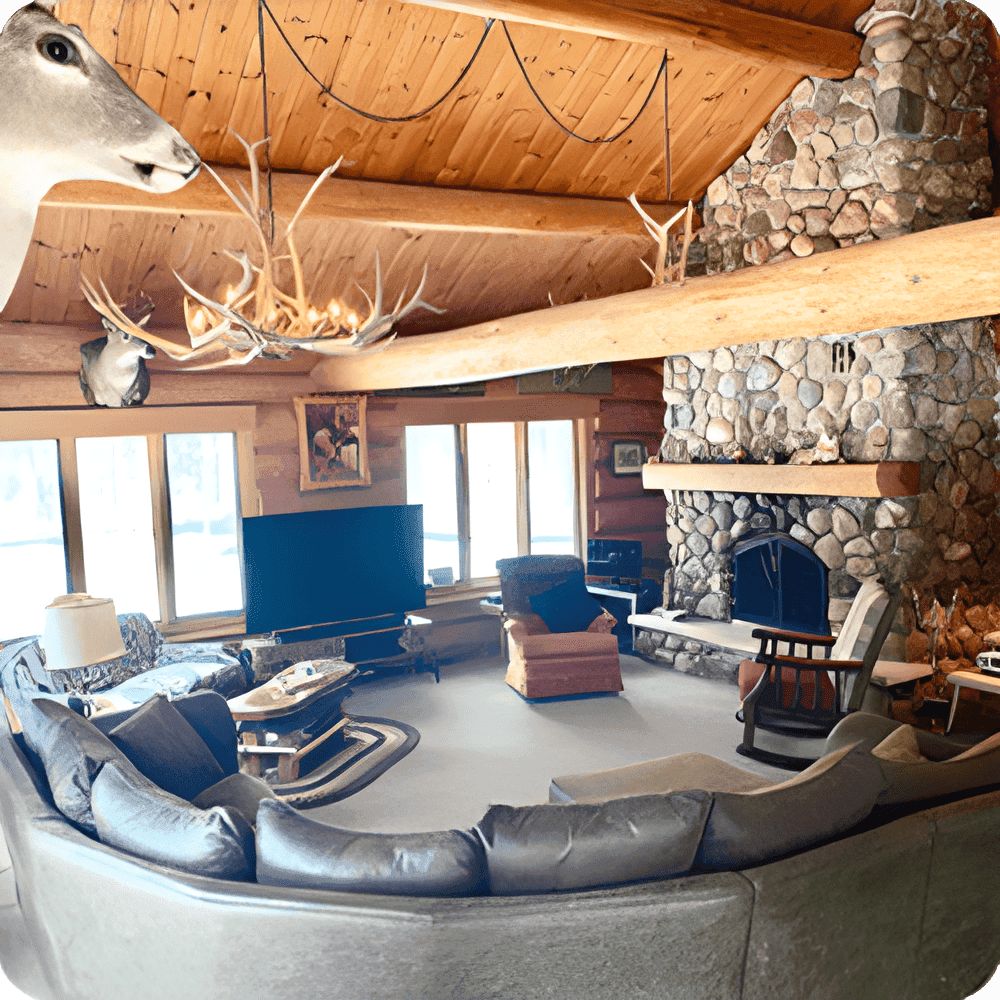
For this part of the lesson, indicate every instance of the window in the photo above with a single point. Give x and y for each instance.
(491, 491)
(135, 505)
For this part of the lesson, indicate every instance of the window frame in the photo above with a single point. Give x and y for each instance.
(468, 586)
(65, 426)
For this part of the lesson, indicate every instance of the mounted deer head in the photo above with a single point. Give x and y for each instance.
(113, 370)
(67, 115)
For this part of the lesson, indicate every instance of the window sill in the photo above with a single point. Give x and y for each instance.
(202, 628)
(462, 591)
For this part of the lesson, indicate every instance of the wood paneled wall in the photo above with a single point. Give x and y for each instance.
(38, 370)
(619, 507)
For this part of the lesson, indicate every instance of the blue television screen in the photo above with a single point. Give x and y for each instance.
(332, 566)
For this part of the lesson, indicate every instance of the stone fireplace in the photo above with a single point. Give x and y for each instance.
(899, 147)
(924, 395)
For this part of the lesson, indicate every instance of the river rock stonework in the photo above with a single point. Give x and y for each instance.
(922, 394)
(899, 147)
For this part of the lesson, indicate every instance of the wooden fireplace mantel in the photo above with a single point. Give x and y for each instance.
(875, 479)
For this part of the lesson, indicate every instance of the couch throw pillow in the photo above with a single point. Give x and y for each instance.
(566, 608)
(546, 848)
(295, 851)
(208, 714)
(240, 793)
(134, 815)
(161, 743)
(900, 746)
(72, 752)
(827, 798)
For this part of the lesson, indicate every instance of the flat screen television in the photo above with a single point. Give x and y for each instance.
(332, 566)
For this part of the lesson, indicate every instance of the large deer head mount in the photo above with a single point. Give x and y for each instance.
(67, 115)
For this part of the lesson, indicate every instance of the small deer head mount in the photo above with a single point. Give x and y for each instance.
(113, 367)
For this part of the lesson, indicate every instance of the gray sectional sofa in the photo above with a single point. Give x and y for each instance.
(828, 885)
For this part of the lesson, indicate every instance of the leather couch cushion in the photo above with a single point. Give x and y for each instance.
(919, 780)
(751, 828)
(546, 848)
(161, 743)
(71, 750)
(566, 608)
(207, 712)
(676, 773)
(295, 851)
(900, 746)
(238, 792)
(134, 815)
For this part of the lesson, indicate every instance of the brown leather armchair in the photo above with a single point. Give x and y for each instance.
(545, 663)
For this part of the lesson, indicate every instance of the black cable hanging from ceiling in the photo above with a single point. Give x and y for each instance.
(367, 114)
(570, 132)
(420, 114)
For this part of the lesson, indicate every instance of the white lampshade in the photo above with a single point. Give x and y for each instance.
(79, 631)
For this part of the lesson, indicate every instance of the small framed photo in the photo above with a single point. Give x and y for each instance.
(333, 442)
(627, 458)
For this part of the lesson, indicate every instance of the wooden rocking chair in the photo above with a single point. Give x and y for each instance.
(798, 699)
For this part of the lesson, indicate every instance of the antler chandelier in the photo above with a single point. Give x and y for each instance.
(257, 318)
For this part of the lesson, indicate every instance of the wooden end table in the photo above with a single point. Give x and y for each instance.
(286, 697)
(970, 679)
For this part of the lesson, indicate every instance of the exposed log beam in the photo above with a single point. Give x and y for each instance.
(941, 274)
(168, 389)
(399, 206)
(49, 348)
(698, 25)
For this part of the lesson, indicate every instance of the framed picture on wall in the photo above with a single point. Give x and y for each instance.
(333, 442)
(627, 458)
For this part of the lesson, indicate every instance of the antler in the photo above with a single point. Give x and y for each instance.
(106, 307)
(378, 325)
(661, 272)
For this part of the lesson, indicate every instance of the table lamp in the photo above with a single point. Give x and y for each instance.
(79, 631)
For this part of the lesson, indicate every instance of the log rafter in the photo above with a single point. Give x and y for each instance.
(941, 274)
(697, 25)
(376, 203)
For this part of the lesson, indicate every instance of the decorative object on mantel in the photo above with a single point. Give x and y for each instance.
(333, 442)
(257, 318)
(827, 449)
(852, 479)
(113, 367)
(627, 458)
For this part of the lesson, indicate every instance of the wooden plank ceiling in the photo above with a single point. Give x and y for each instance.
(502, 207)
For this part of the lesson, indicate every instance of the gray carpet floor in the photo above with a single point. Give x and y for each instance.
(481, 743)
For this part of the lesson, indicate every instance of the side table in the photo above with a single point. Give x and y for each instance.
(301, 707)
(969, 679)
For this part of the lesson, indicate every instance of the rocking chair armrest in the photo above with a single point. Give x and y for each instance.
(806, 663)
(785, 635)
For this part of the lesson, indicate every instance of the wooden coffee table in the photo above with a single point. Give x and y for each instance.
(288, 703)
(970, 679)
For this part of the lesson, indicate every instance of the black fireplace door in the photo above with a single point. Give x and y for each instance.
(777, 581)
